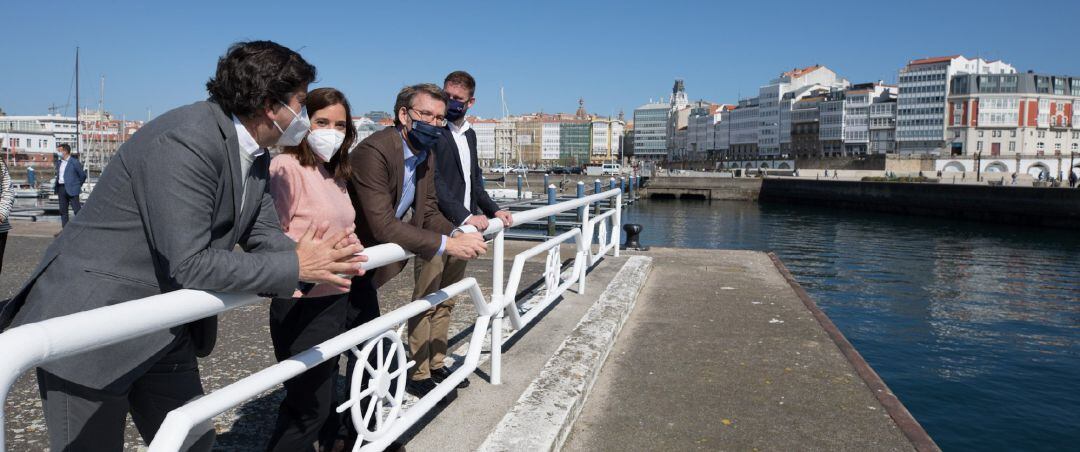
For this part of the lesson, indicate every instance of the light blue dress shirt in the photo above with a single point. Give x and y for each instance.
(408, 185)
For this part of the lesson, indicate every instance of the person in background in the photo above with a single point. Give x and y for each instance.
(459, 186)
(69, 180)
(308, 183)
(7, 197)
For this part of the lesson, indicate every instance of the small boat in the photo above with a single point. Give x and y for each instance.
(25, 191)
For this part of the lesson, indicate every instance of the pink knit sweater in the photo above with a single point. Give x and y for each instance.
(307, 195)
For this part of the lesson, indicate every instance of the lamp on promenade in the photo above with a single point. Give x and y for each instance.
(978, 167)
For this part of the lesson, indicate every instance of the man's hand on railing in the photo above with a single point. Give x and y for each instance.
(478, 221)
(325, 257)
(506, 217)
(466, 245)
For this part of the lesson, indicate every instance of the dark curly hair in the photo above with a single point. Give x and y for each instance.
(319, 99)
(257, 74)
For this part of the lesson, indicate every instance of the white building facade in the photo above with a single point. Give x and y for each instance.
(921, 106)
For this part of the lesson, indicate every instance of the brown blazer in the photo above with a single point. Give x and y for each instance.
(378, 170)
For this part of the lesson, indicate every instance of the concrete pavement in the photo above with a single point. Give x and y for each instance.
(720, 353)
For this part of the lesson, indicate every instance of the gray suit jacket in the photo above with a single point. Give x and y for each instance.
(165, 215)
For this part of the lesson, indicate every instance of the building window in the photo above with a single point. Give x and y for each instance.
(980, 134)
(978, 145)
(1012, 146)
(1040, 146)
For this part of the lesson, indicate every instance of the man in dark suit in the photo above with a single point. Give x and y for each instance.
(459, 185)
(167, 213)
(69, 180)
(393, 190)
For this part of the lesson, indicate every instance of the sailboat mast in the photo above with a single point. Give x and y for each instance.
(78, 122)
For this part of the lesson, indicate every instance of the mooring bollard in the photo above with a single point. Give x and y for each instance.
(632, 181)
(633, 231)
(551, 201)
(546, 183)
(596, 189)
(519, 187)
(580, 194)
(612, 185)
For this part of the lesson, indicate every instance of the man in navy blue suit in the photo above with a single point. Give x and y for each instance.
(69, 179)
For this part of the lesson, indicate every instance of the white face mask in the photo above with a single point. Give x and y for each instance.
(325, 142)
(299, 126)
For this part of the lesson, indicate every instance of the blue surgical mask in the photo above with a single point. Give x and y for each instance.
(455, 110)
(423, 136)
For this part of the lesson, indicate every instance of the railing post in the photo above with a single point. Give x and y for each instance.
(586, 242)
(616, 227)
(580, 194)
(551, 201)
(519, 186)
(498, 299)
(546, 179)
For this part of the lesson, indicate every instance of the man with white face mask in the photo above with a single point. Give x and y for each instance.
(308, 183)
(174, 202)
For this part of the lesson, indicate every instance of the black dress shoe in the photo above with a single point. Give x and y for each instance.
(419, 388)
(443, 373)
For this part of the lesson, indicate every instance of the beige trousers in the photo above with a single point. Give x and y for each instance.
(429, 331)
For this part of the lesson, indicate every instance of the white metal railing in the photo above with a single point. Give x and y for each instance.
(33, 344)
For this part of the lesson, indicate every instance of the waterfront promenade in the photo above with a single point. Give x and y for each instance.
(718, 352)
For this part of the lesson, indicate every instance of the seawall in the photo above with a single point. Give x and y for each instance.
(1054, 207)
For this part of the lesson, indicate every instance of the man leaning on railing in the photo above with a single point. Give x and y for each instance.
(167, 214)
(392, 186)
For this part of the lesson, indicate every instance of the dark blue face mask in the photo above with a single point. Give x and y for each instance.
(423, 136)
(455, 110)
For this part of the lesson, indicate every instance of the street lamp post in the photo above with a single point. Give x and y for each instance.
(978, 166)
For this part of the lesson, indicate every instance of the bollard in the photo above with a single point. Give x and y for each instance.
(611, 184)
(632, 181)
(580, 194)
(622, 184)
(596, 189)
(546, 183)
(519, 186)
(551, 201)
(633, 231)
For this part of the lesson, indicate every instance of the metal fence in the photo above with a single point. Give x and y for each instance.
(33, 344)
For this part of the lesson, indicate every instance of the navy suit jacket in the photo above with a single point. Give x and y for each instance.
(450, 180)
(74, 176)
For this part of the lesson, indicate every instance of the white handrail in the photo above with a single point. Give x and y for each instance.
(33, 344)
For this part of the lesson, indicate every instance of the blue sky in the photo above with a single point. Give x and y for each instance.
(616, 55)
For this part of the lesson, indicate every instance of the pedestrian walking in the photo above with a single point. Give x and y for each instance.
(7, 197)
(69, 180)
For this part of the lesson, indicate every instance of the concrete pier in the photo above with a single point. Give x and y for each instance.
(722, 352)
(670, 349)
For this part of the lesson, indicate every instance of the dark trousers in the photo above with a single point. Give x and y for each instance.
(85, 419)
(65, 200)
(297, 324)
(363, 307)
(3, 244)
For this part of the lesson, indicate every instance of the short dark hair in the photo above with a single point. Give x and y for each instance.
(319, 99)
(257, 74)
(461, 78)
(66, 147)
(407, 94)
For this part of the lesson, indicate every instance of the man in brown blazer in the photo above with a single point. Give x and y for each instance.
(393, 190)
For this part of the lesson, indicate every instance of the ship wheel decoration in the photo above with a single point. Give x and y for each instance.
(381, 399)
(552, 271)
(603, 235)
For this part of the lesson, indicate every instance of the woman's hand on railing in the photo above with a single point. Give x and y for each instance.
(466, 245)
(329, 258)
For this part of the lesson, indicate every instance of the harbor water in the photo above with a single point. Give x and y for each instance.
(973, 326)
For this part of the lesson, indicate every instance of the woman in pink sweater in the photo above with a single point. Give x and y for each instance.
(308, 185)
